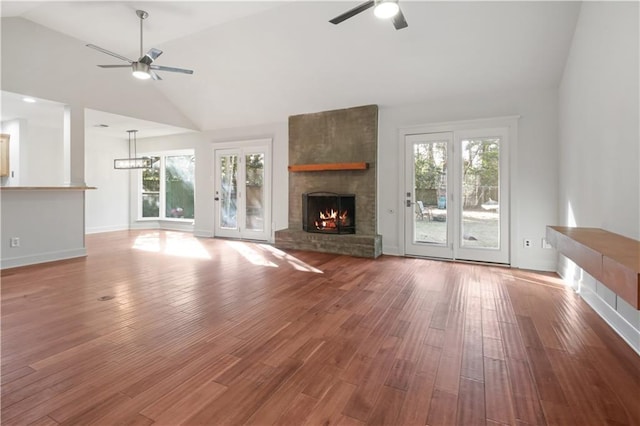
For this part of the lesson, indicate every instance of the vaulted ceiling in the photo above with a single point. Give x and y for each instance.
(259, 62)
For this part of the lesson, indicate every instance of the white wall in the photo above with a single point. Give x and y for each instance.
(50, 225)
(107, 207)
(535, 174)
(203, 144)
(599, 121)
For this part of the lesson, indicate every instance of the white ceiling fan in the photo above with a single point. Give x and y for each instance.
(143, 68)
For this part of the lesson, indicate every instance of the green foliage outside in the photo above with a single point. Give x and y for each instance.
(480, 171)
(179, 187)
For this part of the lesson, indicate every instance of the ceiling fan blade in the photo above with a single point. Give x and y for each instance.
(353, 12)
(399, 22)
(114, 66)
(170, 69)
(150, 56)
(154, 75)
(108, 52)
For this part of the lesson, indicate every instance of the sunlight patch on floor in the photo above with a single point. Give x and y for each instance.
(250, 254)
(171, 244)
(294, 262)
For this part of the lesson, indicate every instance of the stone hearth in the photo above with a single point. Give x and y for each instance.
(339, 136)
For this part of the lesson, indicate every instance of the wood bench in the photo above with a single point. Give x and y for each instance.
(612, 259)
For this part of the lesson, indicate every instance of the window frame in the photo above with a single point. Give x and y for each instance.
(163, 189)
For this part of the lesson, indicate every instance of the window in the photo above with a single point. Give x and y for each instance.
(167, 189)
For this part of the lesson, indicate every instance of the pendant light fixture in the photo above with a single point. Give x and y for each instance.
(133, 162)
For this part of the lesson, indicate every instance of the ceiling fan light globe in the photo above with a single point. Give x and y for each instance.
(386, 9)
(142, 75)
(141, 71)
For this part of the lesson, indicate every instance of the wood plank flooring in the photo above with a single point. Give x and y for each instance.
(204, 331)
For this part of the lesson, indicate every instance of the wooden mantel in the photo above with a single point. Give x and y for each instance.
(612, 259)
(328, 167)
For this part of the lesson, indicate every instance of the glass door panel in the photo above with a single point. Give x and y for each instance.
(426, 209)
(254, 178)
(483, 195)
(242, 197)
(480, 193)
(228, 166)
(430, 189)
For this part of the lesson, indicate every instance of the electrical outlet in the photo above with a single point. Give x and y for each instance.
(545, 244)
(527, 243)
(14, 242)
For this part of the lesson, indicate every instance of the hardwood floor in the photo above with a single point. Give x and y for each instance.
(203, 331)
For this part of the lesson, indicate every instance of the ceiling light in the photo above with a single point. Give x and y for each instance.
(29, 100)
(133, 162)
(141, 70)
(386, 8)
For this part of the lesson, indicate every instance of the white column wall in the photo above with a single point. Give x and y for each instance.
(107, 207)
(600, 121)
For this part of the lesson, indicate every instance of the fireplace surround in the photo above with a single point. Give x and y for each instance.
(329, 213)
(323, 147)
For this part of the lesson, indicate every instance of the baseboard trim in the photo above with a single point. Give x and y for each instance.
(613, 318)
(391, 250)
(101, 229)
(616, 321)
(202, 233)
(42, 258)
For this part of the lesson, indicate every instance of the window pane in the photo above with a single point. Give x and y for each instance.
(481, 193)
(150, 189)
(151, 177)
(255, 191)
(229, 191)
(430, 166)
(150, 204)
(179, 188)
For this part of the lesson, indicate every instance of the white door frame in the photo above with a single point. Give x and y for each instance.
(243, 147)
(508, 122)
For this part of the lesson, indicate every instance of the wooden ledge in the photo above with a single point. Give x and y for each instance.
(46, 188)
(328, 167)
(612, 259)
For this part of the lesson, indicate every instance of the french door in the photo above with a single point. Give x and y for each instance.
(456, 195)
(243, 192)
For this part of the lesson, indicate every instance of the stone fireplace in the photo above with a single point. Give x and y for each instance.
(333, 153)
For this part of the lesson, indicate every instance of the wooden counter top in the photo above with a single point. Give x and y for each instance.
(612, 259)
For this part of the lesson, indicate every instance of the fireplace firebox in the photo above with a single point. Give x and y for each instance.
(329, 213)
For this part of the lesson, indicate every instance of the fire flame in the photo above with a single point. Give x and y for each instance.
(329, 219)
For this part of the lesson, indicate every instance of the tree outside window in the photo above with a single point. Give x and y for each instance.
(167, 190)
(151, 189)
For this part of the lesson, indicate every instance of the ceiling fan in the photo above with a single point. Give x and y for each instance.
(143, 68)
(384, 9)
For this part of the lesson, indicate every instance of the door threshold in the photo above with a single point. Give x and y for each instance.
(471, 262)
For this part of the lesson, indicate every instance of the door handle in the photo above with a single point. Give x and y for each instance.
(409, 203)
(216, 199)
